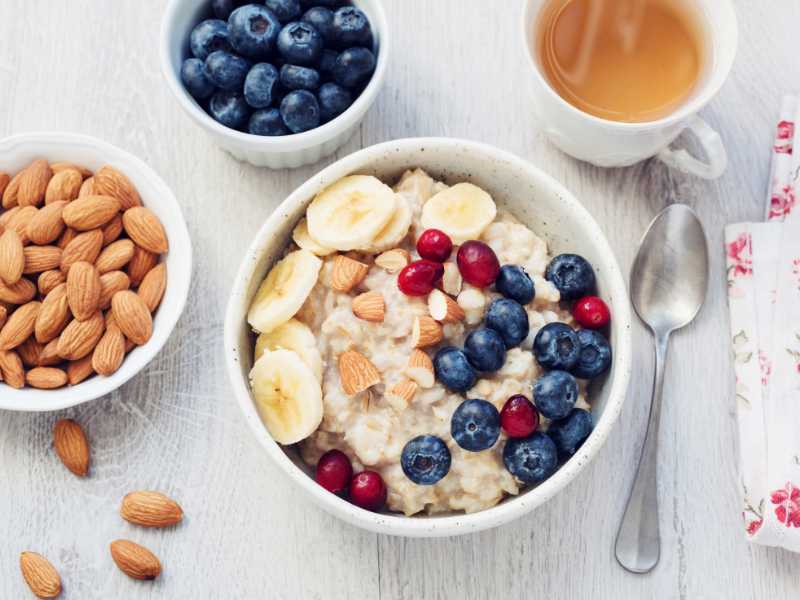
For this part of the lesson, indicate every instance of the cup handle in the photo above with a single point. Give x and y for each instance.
(712, 144)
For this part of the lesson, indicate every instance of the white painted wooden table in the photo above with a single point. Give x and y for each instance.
(91, 66)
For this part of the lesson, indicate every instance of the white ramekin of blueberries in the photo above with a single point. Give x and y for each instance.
(277, 83)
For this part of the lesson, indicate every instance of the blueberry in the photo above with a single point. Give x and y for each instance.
(513, 282)
(556, 346)
(253, 30)
(285, 10)
(594, 354)
(259, 85)
(485, 350)
(475, 425)
(300, 111)
(194, 78)
(353, 67)
(299, 78)
(509, 319)
(222, 9)
(326, 62)
(229, 108)
(453, 369)
(300, 43)
(333, 101)
(321, 19)
(225, 70)
(571, 431)
(555, 393)
(531, 459)
(351, 27)
(209, 36)
(572, 275)
(425, 459)
(267, 121)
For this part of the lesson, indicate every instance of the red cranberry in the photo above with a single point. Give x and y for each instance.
(478, 263)
(519, 417)
(419, 277)
(434, 245)
(591, 312)
(367, 490)
(334, 471)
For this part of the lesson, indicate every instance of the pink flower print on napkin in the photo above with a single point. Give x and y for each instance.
(784, 137)
(788, 506)
(782, 202)
(765, 365)
(754, 526)
(740, 256)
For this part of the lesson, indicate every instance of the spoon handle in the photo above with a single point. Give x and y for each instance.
(638, 540)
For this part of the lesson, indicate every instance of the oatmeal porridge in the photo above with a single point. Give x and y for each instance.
(432, 339)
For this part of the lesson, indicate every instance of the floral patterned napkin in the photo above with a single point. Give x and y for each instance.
(763, 266)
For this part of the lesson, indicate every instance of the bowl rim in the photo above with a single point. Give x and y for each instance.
(296, 141)
(453, 524)
(180, 247)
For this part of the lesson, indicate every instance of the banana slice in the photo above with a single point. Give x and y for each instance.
(288, 396)
(348, 214)
(395, 230)
(293, 335)
(303, 239)
(462, 212)
(284, 290)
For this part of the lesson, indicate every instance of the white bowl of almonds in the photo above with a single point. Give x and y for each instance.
(409, 337)
(95, 266)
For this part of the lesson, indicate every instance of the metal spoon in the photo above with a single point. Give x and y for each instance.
(668, 286)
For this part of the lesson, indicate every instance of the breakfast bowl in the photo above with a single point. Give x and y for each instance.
(541, 204)
(18, 151)
(282, 151)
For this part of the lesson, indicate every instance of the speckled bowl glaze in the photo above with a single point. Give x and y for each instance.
(537, 200)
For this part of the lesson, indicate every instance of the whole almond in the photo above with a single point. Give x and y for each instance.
(63, 187)
(90, 212)
(425, 331)
(368, 306)
(132, 316)
(12, 369)
(112, 230)
(53, 315)
(3, 315)
(112, 182)
(140, 264)
(19, 325)
(12, 257)
(134, 560)
(10, 193)
(85, 247)
(65, 165)
(40, 575)
(87, 188)
(33, 183)
(356, 372)
(5, 178)
(30, 352)
(80, 337)
(109, 352)
(66, 237)
(151, 290)
(7, 215)
(48, 280)
(150, 509)
(41, 258)
(143, 227)
(49, 356)
(114, 256)
(347, 273)
(46, 225)
(83, 290)
(18, 293)
(46, 378)
(71, 445)
(19, 221)
(111, 283)
(78, 370)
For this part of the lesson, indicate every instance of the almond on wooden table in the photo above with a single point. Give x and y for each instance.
(33, 181)
(140, 264)
(12, 256)
(114, 256)
(150, 509)
(53, 315)
(153, 285)
(12, 369)
(112, 182)
(90, 212)
(143, 227)
(41, 258)
(71, 445)
(49, 280)
(134, 560)
(40, 575)
(64, 186)
(109, 352)
(83, 290)
(80, 337)
(132, 316)
(46, 225)
(46, 378)
(84, 246)
(19, 325)
(111, 283)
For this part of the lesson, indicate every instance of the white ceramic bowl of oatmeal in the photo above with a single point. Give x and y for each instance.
(543, 206)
